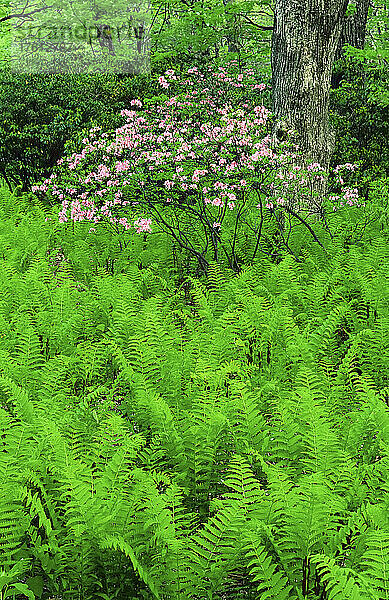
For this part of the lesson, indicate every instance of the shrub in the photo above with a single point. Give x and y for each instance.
(195, 167)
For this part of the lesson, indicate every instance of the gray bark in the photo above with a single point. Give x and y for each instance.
(305, 39)
(354, 28)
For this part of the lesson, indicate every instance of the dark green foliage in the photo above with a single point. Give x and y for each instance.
(360, 114)
(40, 113)
(225, 438)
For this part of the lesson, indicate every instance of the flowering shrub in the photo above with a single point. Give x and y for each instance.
(199, 166)
(348, 196)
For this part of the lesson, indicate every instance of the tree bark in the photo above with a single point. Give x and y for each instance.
(305, 39)
(354, 28)
(353, 33)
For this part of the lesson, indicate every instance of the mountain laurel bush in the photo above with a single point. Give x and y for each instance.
(200, 167)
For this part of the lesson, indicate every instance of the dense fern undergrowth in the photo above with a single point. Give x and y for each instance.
(224, 438)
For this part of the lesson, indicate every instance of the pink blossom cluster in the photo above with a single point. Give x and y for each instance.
(143, 225)
(340, 171)
(347, 166)
(161, 143)
(200, 148)
(44, 186)
(349, 196)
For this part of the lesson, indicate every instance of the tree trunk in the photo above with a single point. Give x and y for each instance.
(305, 38)
(231, 34)
(354, 28)
(353, 33)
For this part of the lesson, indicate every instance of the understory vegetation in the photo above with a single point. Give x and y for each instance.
(221, 437)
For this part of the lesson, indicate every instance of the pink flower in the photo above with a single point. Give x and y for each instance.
(162, 82)
(143, 225)
(123, 221)
(200, 140)
(171, 75)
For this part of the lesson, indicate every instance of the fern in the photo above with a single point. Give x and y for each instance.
(226, 438)
(341, 583)
(270, 582)
(375, 562)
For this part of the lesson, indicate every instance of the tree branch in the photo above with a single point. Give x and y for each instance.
(23, 14)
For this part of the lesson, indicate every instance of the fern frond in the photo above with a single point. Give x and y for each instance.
(269, 580)
(245, 487)
(17, 396)
(119, 544)
(340, 583)
(214, 549)
(375, 562)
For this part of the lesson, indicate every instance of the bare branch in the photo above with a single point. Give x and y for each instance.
(23, 14)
